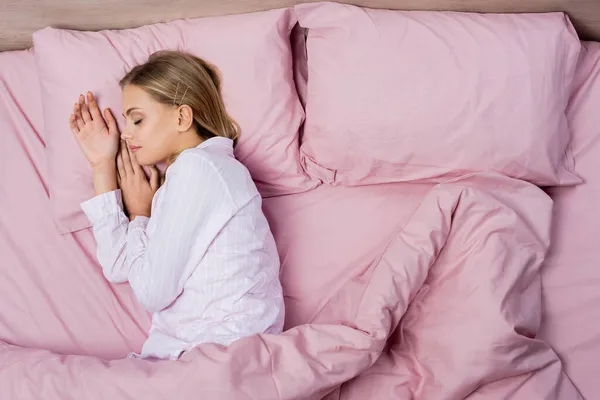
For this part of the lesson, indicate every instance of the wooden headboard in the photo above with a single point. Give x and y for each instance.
(20, 18)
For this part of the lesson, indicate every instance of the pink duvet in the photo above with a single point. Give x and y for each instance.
(480, 239)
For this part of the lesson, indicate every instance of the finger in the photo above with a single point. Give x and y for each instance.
(154, 178)
(77, 108)
(126, 159)
(111, 122)
(85, 112)
(120, 168)
(73, 125)
(134, 163)
(78, 119)
(94, 110)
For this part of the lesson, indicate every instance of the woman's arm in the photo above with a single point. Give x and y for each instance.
(106, 210)
(99, 141)
(105, 177)
(109, 225)
(194, 207)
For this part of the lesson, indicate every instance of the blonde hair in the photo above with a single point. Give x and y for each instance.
(176, 78)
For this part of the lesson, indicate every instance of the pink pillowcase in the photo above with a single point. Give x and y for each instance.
(253, 54)
(20, 103)
(425, 96)
(584, 106)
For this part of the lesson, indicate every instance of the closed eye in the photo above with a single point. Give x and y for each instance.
(139, 121)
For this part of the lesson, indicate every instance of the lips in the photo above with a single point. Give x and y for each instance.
(134, 148)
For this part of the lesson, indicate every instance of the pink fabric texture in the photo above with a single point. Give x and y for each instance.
(425, 96)
(453, 322)
(253, 54)
(52, 292)
(469, 324)
(377, 246)
(571, 274)
(478, 220)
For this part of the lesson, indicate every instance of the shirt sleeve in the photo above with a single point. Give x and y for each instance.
(194, 207)
(109, 225)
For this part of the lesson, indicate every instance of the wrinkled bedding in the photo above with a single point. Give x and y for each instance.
(394, 291)
(489, 231)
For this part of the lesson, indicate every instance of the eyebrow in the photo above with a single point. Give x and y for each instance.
(130, 110)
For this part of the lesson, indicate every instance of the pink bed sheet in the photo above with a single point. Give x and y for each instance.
(571, 274)
(52, 295)
(352, 258)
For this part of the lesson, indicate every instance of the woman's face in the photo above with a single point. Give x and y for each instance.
(151, 127)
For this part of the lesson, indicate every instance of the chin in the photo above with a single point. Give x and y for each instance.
(146, 161)
(142, 161)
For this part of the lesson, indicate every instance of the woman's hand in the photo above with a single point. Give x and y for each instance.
(99, 140)
(136, 189)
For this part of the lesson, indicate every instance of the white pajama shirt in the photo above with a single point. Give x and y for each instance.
(205, 262)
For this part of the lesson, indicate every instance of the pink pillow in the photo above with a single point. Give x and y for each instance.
(20, 104)
(584, 106)
(253, 54)
(425, 96)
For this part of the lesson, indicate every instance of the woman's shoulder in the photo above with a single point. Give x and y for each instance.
(208, 160)
(220, 172)
(191, 158)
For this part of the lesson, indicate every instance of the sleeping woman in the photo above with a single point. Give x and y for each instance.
(197, 250)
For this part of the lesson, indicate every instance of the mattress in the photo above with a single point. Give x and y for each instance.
(54, 297)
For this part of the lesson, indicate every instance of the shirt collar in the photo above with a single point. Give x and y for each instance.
(216, 141)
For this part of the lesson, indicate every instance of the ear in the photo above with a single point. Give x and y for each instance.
(185, 118)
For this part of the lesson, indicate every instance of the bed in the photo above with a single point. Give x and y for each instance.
(370, 271)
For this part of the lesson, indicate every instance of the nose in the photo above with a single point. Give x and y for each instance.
(125, 135)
